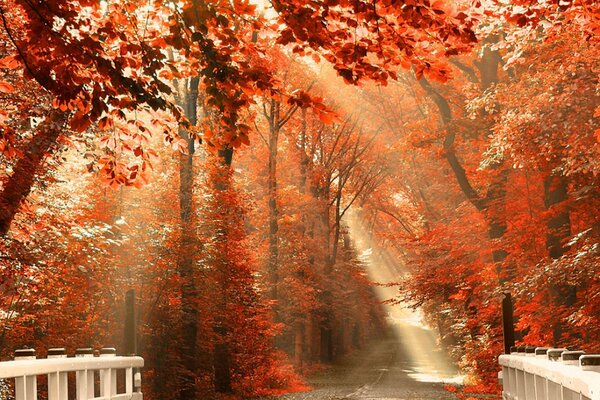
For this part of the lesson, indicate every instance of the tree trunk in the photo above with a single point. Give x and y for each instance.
(326, 343)
(559, 226)
(29, 167)
(273, 266)
(304, 160)
(303, 339)
(325, 215)
(559, 230)
(493, 204)
(309, 337)
(298, 345)
(496, 210)
(185, 262)
(488, 64)
(222, 356)
(336, 231)
(326, 324)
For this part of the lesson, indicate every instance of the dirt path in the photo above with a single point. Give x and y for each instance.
(383, 371)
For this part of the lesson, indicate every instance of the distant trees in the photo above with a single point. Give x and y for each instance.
(321, 171)
(527, 138)
(477, 169)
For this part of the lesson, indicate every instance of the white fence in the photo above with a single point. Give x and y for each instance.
(550, 374)
(94, 377)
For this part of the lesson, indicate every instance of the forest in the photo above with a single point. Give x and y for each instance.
(224, 157)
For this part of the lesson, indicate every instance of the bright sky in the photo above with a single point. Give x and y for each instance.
(265, 5)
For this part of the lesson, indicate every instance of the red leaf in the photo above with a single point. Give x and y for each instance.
(9, 62)
(6, 87)
(80, 122)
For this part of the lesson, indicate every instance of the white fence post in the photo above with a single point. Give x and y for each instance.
(25, 386)
(550, 374)
(541, 389)
(108, 376)
(58, 384)
(26, 367)
(590, 362)
(129, 381)
(84, 380)
(137, 380)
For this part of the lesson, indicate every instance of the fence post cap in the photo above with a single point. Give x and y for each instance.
(572, 353)
(530, 350)
(554, 353)
(57, 352)
(108, 352)
(591, 359)
(571, 357)
(25, 353)
(137, 381)
(541, 351)
(84, 352)
(590, 362)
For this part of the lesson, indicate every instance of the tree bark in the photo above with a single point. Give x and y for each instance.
(336, 230)
(277, 118)
(559, 230)
(559, 225)
(496, 207)
(301, 341)
(488, 64)
(185, 262)
(298, 344)
(273, 266)
(28, 167)
(493, 203)
(222, 356)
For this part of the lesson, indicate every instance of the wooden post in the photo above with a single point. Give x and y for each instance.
(130, 328)
(108, 377)
(84, 379)
(508, 327)
(58, 385)
(25, 386)
(131, 337)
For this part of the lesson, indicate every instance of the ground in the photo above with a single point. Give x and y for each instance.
(383, 370)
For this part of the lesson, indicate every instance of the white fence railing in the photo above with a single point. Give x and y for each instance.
(92, 377)
(531, 373)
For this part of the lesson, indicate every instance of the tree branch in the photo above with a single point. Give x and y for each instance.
(469, 72)
(459, 172)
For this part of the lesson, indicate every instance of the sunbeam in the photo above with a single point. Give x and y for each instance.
(426, 362)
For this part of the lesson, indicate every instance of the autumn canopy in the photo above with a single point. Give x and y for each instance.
(225, 158)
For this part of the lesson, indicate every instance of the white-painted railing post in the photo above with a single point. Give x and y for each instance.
(108, 377)
(26, 368)
(570, 358)
(511, 382)
(521, 383)
(590, 362)
(84, 379)
(25, 386)
(529, 377)
(550, 374)
(137, 380)
(58, 385)
(541, 383)
(129, 381)
(20, 388)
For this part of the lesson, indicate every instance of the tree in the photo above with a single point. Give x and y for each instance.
(189, 296)
(479, 183)
(370, 39)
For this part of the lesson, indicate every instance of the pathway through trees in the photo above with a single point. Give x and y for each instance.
(383, 371)
(406, 363)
